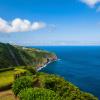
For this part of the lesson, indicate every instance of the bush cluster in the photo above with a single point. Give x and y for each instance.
(31, 69)
(50, 87)
(38, 94)
(21, 83)
(64, 88)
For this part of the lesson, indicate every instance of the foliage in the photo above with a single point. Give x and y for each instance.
(5, 57)
(88, 96)
(21, 83)
(38, 94)
(64, 88)
(31, 69)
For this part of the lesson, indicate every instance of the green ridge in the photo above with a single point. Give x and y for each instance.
(11, 56)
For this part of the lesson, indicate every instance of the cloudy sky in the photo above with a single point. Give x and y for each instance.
(50, 22)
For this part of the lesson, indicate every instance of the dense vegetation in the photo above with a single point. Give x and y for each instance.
(25, 88)
(21, 83)
(38, 94)
(64, 88)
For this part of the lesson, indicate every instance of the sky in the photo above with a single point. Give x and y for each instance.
(50, 22)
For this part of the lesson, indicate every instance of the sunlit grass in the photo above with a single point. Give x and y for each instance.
(6, 78)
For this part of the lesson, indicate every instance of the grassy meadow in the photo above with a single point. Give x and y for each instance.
(6, 78)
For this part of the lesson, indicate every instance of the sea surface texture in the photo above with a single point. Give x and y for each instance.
(78, 64)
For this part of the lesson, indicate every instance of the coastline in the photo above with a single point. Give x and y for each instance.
(45, 65)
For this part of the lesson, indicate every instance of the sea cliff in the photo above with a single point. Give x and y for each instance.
(13, 55)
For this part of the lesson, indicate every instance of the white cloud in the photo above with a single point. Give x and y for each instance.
(37, 26)
(20, 25)
(90, 3)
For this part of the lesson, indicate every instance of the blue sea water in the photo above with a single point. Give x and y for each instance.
(79, 64)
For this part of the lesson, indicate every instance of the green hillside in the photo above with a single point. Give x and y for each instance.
(11, 56)
(18, 72)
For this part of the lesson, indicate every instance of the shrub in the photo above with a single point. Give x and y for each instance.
(64, 88)
(21, 83)
(31, 69)
(38, 94)
(88, 96)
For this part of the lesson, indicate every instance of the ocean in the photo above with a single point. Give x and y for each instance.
(78, 64)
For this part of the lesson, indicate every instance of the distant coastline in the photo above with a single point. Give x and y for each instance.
(45, 65)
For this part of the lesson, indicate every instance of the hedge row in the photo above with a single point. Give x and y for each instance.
(6, 69)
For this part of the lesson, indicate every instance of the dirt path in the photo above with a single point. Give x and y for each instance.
(7, 95)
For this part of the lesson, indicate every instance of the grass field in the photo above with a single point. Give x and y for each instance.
(6, 78)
